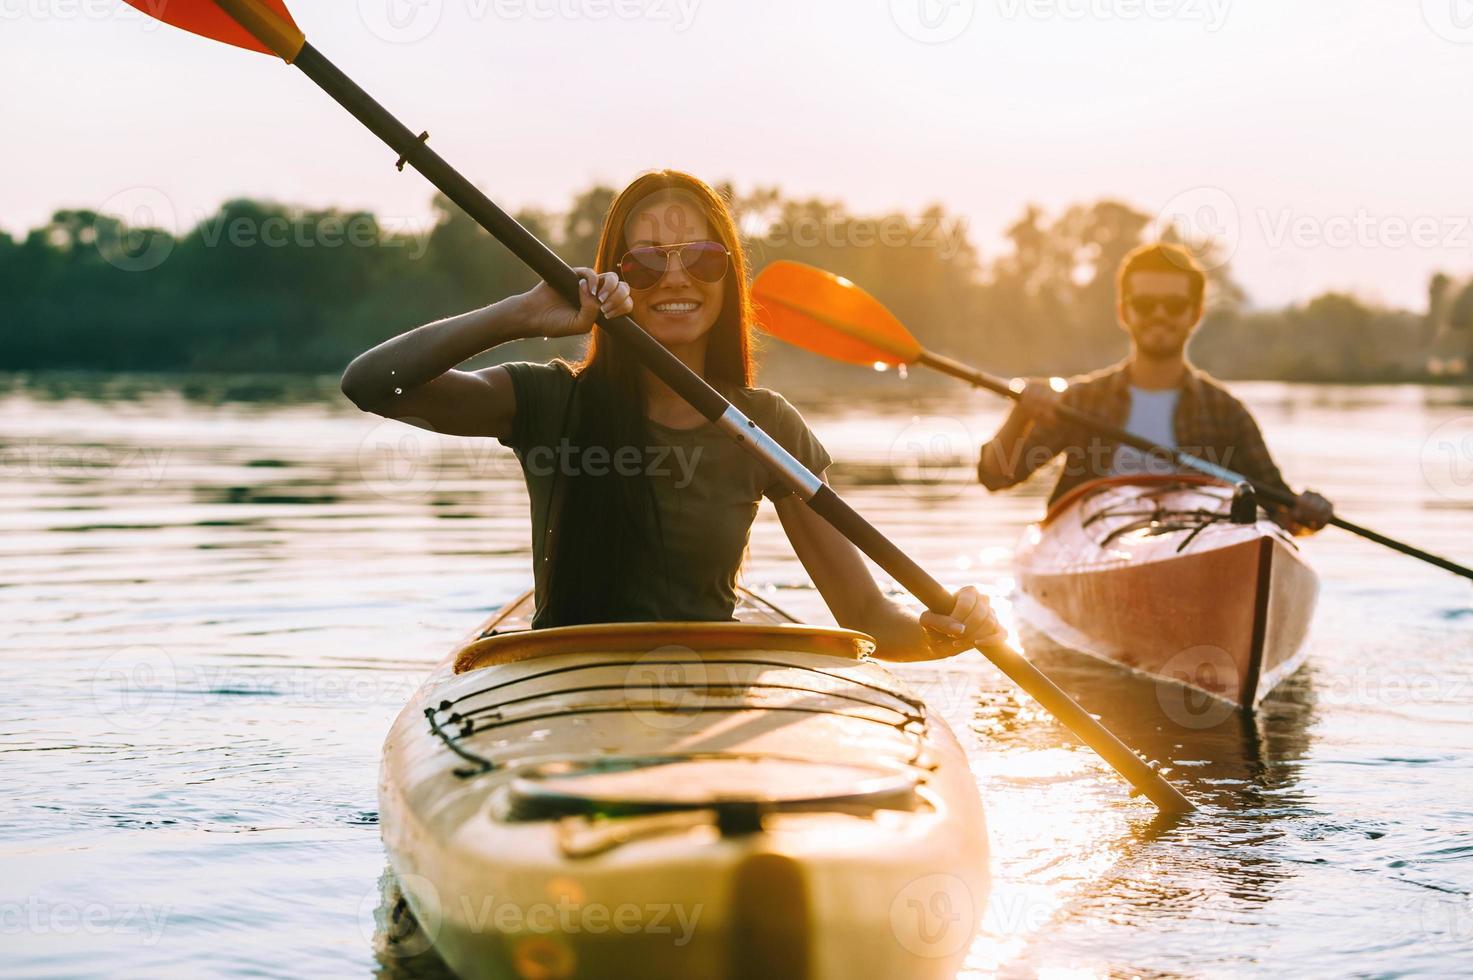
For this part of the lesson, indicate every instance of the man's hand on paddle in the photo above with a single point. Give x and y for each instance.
(1311, 513)
(972, 623)
(1038, 401)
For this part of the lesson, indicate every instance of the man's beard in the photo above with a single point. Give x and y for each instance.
(1149, 342)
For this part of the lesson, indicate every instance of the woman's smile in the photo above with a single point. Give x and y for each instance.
(676, 307)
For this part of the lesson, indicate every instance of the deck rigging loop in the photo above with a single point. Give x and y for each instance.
(1160, 520)
(454, 721)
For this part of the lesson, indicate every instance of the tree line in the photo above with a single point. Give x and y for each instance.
(260, 286)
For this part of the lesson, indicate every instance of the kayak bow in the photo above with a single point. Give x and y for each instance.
(681, 800)
(1153, 574)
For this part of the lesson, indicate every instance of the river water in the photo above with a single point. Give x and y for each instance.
(217, 592)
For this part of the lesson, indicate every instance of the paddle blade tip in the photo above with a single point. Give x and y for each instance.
(268, 18)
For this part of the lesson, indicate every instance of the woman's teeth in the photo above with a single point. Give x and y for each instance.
(676, 307)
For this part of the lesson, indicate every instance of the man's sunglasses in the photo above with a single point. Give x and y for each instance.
(645, 266)
(1144, 305)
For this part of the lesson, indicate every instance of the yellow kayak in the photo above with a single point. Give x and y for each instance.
(748, 799)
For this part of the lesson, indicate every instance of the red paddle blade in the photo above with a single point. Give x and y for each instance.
(209, 19)
(829, 315)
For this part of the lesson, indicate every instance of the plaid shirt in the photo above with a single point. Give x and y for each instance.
(1210, 424)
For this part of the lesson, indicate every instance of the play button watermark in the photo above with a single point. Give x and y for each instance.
(400, 21)
(932, 21)
(1451, 20)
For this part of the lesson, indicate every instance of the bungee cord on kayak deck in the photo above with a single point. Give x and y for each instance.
(912, 717)
(915, 703)
(704, 686)
(1165, 519)
(472, 721)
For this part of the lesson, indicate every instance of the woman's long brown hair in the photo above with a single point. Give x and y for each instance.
(605, 547)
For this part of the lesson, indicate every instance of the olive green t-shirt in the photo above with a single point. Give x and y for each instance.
(706, 487)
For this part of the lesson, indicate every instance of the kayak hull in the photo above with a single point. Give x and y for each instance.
(1150, 575)
(678, 800)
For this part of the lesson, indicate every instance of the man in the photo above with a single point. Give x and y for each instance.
(1155, 394)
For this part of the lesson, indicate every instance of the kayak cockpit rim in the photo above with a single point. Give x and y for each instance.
(518, 645)
(1153, 479)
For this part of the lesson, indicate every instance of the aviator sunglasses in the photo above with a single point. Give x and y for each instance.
(645, 266)
(1144, 305)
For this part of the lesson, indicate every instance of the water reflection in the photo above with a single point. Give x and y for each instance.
(1218, 756)
(271, 390)
(1243, 772)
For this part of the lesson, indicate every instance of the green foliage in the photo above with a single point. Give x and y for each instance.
(260, 286)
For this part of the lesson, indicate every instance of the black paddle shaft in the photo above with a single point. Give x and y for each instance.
(1279, 496)
(706, 400)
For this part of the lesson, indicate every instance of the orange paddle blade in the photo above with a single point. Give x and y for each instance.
(256, 25)
(830, 315)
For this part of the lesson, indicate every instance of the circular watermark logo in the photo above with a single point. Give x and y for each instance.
(666, 687)
(135, 229)
(1447, 459)
(389, 924)
(934, 916)
(135, 688)
(673, 216)
(399, 461)
(1205, 220)
(928, 450)
(1447, 922)
(933, 21)
(1192, 673)
(1451, 20)
(400, 21)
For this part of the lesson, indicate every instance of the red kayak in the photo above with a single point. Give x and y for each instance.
(1164, 576)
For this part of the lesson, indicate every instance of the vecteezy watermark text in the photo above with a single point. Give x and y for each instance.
(1209, 222)
(839, 230)
(566, 459)
(79, 10)
(34, 458)
(1366, 230)
(311, 231)
(680, 13)
(138, 228)
(567, 912)
(138, 687)
(1212, 14)
(36, 916)
(1097, 455)
(565, 917)
(408, 21)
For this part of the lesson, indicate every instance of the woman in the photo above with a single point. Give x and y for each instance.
(640, 507)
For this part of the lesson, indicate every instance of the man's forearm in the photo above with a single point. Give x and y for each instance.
(997, 466)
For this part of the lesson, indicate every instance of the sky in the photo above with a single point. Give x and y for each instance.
(1326, 143)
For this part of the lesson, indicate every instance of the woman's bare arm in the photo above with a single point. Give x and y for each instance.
(838, 570)
(413, 377)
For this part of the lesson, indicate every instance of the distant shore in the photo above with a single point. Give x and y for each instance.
(264, 287)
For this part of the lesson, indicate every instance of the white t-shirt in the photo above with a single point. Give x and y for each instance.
(1153, 417)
